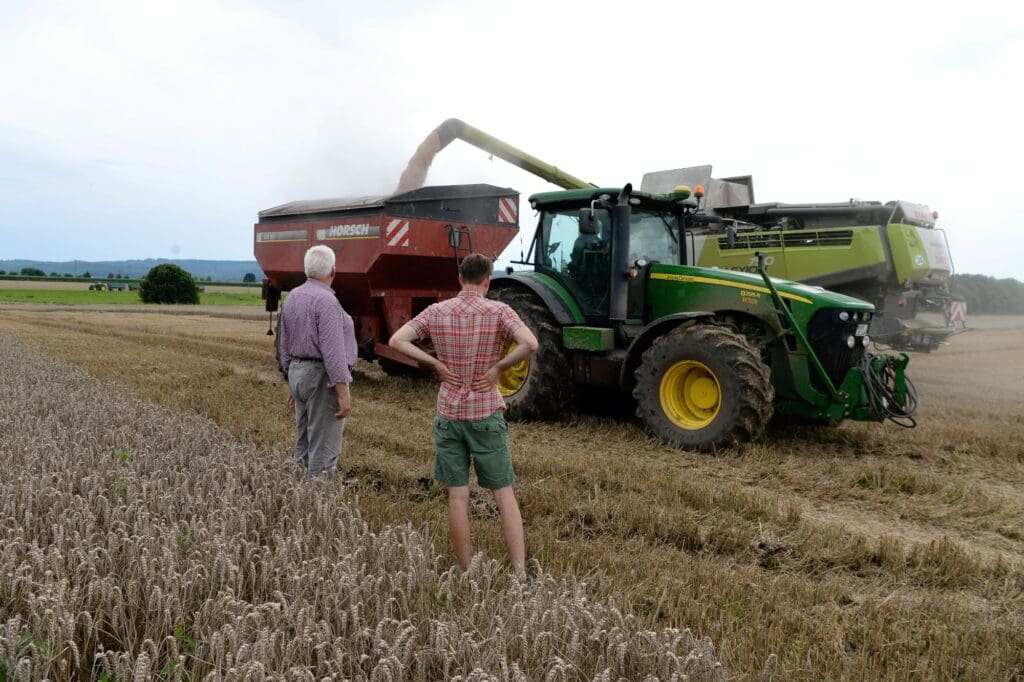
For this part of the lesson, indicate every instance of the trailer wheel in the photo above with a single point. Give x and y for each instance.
(393, 368)
(539, 387)
(702, 387)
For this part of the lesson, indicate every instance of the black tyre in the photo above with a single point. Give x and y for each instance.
(540, 387)
(702, 387)
(399, 369)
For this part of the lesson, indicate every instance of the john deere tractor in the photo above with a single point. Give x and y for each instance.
(708, 355)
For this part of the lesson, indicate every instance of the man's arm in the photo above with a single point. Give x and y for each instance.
(402, 341)
(282, 353)
(282, 342)
(330, 325)
(526, 345)
(344, 400)
(349, 334)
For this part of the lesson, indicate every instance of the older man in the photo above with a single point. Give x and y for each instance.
(318, 349)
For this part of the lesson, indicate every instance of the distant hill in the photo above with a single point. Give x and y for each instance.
(217, 270)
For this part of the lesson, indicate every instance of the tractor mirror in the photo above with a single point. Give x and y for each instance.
(588, 224)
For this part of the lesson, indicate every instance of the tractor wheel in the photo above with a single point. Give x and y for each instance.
(539, 387)
(703, 386)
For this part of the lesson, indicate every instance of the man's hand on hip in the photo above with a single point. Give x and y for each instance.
(344, 401)
(487, 380)
(447, 376)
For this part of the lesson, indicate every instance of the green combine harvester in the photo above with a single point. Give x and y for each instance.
(708, 354)
(891, 254)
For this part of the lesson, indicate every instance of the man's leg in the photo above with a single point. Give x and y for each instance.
(296, 384)
(458, 525)
(324, 428)
(512, 528)
(493, 463)
(451, 467)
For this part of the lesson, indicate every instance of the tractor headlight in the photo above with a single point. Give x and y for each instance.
(844, 316)
(866, 340)
(850, 342)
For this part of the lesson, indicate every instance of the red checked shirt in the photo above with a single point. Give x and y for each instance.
(468, 332)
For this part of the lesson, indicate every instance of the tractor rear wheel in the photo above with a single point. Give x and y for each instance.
(539, 387)
(702, 387)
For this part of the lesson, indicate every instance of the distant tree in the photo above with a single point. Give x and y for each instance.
(86, 274)
(54, 274)
(989, 295)
(3, 272)
(209, 278)
(32, 272)
(117, 276)
(110, 275)
(167, 283)
(249, 277)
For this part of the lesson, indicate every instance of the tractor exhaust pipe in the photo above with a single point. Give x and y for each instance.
(415, 174)
(619, 286)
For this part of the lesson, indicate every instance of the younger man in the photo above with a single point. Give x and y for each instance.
(468, 333)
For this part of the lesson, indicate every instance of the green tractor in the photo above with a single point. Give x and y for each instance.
(709, 355)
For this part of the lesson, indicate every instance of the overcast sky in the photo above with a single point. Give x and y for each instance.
(137, 129)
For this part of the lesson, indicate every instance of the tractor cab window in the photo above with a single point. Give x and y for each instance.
(652, 237)
(582, 262)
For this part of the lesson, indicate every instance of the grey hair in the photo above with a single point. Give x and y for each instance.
(319, 261)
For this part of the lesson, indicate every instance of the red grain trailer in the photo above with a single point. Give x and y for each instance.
(395, 254)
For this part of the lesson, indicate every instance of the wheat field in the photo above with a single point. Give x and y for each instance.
(860, 552)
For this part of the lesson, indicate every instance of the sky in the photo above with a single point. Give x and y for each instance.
(149, 130)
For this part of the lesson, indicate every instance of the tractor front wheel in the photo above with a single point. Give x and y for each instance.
(702, 387)
(539, 387)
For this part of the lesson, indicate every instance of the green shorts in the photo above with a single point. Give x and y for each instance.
(484, 441)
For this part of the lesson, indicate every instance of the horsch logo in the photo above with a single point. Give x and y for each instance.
(356, 231)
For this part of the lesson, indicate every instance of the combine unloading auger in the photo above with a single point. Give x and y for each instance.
(415, 174)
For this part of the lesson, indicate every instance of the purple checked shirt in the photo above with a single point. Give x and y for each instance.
(314, 325)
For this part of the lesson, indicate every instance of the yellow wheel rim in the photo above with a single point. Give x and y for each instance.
(690, 394)
(513, 378)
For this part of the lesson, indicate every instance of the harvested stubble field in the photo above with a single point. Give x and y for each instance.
(862, 552)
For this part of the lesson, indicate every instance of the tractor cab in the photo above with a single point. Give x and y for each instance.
(577, 235)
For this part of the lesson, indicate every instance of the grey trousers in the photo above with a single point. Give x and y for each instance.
(319, 432)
